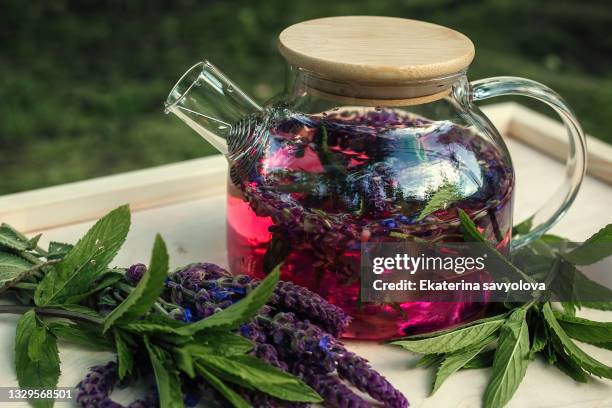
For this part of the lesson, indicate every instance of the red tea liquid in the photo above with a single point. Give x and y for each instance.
(326, 184)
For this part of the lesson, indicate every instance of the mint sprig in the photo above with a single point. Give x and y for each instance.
(63, 281)
(508, 341)
(86, 261)
(36, 357)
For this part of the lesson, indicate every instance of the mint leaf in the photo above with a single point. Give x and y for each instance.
(57, 250)
(572, 284)
(166, 377)
(184, 362)
(38, 337)
(539, 340)
(523, 228)
(576, 354)
(232, 396)
(109, 278)
(125, 359)
(510, 362)
(240, 311)
(429, 360)
(9, 238)
(140, 300)
(594, 249)
(452, 340)
(440, 200)
(585, 330)
(219, 343)
(42, 373)
(470, 231)
(81, 334)
(74, 274)
(253, 372)
(77, 309)
(569, 367)
(12, 268)
(455, 361)
(482, 360)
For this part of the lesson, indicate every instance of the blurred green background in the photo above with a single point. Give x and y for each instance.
(82, 82)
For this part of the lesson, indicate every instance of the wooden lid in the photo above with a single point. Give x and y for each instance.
(376, 50)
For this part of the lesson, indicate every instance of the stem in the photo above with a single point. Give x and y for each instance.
(28, 256)
(25, 285)
(17, 309)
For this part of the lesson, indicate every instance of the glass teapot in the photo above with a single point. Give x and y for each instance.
(376, 138)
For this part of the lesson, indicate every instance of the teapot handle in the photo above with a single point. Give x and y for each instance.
(556, 206)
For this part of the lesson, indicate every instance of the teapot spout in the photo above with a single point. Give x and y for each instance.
(210, 103)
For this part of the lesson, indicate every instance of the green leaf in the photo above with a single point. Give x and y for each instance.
(552, 239)
(576, 354)
(523, 228)
(152, 328)
(569, 367)
(232, 396)
(39, 374)
(140, 300)
(77, 309)
(470, 231)
(125, 359)
(540, 339)
(9, 238)
(429, 360)
(57, 250)
(573, 285)
(510, 362)
(184, 361)
(38, 338)
(109, 278)
(585, 330)
(219, 343)
(253, 372)
(456, 360)
(74, 274)
(594, 249)
(81, 334)
(440, 200)
(482, 360)
(166, 377)
(452, 340)
(240, 311)
(12, 267)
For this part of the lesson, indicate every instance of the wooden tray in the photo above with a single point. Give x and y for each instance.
(185, 202)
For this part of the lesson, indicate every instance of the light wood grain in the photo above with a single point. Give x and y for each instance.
(376, 50)
(550, 137)
(90, 199)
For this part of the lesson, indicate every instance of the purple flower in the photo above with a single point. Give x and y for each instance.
(135, 273)
(187, 315)
(358, 372)
(95, 388)
(294, 298)
(333, 391)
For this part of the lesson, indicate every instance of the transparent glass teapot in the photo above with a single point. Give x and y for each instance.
(376, 138)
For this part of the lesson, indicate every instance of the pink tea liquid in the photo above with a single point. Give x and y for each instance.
(328, 183)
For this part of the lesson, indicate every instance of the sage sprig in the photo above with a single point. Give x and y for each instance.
(509, 340)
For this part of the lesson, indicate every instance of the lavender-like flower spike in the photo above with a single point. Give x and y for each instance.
(135, 272)
(94, 390)
(333, 391)
(294, 298)
(358, 372)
